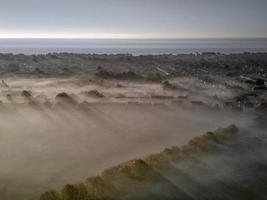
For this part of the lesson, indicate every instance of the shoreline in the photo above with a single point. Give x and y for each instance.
(193, 53)
(132, 46)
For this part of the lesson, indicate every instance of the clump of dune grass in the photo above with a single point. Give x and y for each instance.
(139, 178)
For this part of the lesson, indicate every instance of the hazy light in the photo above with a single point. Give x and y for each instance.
(49, 35)
(72, 35)
(133, 19)
(93, 35)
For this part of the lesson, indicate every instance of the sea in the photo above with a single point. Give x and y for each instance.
(132, 46)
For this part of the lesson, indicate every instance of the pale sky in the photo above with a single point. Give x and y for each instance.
(133, 18)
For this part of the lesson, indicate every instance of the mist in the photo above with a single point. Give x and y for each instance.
(44, 147)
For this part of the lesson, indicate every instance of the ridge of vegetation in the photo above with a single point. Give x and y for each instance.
(143, 178)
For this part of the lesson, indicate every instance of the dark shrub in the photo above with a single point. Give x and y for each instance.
(51, 195)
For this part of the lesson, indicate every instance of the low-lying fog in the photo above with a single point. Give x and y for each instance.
(45, 148)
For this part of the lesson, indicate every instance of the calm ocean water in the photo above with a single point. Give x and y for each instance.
(133, 46)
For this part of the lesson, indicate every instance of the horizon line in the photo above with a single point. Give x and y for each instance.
(131, 38)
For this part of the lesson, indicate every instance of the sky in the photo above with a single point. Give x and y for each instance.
(133, 18)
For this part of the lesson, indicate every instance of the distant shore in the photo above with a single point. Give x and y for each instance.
(151, 67)
(133, 46)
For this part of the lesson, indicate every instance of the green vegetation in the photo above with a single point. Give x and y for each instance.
(241, 98)
(155, 77)
(93, 93)
(168, 86)
(119, 75)
(261, 107)
(64, 97)
(140, 178)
